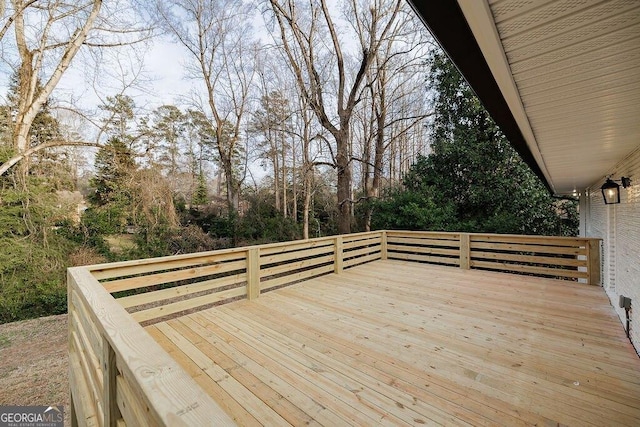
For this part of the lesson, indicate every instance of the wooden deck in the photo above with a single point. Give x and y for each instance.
(397, 343)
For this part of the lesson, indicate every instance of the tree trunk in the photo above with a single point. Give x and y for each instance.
(276, 176)
(219, 183)
(343, 166)
(294, 211)
(308, 175)
(373, 192)
(233, 200)
(284, 175)
(30, 97)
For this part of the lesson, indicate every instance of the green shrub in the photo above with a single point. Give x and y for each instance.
(32, 278)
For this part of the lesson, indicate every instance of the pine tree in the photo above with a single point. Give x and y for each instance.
(200, 195)
(112, 198)
(117, 124)
(114, 164)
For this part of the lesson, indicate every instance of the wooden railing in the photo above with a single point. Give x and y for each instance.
(569, 258)
(118, 374)
(121, 376)
(153, 289)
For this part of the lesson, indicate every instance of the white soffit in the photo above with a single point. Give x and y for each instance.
(570, 73)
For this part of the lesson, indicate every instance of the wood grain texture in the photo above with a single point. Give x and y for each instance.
(173, 276)
(536, 270)
(593, 258)
(150, 265)
(181, 291)
(383, 245)
(386, 342)
(167, 394)
(188, 304)
(295, 277)
(112, 413)
(396, 343)
(290, 256)
(338, 255)
(296, 265)
(522, 247)
(424, 258)
(464, 251)
(253, 273)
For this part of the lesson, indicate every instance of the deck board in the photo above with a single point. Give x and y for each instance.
(401, 343)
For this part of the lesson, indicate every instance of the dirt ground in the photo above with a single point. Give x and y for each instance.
(34, 363)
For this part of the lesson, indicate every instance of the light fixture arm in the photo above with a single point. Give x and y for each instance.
(625, 181)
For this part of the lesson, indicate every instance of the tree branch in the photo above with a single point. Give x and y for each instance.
(18, 157)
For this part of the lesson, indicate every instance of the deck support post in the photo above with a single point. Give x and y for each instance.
(383, 245)
(593, 261)
(337, 256)
(465, 250)
(109, 378)
(253, 273)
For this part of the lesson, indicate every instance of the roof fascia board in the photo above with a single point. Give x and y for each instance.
(448, 25)
(480, 20)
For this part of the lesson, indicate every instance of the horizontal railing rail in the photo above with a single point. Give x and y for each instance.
(121, 376)
(154, 289)
(567, 258)
(118, 374)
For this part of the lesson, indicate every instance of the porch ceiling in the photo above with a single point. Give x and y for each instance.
(567, 70)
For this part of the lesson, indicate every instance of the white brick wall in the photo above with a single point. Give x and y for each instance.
(619, 227)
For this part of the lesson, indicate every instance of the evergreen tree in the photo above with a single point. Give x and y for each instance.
(169, 128)
(114, 164)
(112, 197)
(200, 195)
(473, 180)
(120, 115)
(34, 251)
(200, 131)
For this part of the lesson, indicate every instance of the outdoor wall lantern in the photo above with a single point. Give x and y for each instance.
(611, 190)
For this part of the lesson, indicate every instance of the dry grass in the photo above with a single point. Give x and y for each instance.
(85, 256)
(35, 363)
(120, 243)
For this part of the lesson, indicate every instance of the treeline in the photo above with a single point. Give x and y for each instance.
(346, 119)
(473, 180)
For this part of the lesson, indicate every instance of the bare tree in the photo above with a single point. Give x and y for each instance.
(319, 63)
(395, 101)
(48, 36)
(291, 135)
(31, 95)
(216, 37)
(305, 124)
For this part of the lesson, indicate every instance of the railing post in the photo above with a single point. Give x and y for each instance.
(253, 273)
(593, 261)
(109, 381)
(383, 245)
(337, 254)
(70, 284)
(465, 249)
(73, 416)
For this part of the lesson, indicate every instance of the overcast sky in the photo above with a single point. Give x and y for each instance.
(163, 80)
